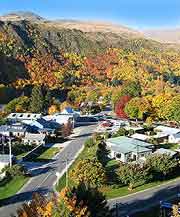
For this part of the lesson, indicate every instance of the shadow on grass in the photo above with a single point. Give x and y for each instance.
(22, 197)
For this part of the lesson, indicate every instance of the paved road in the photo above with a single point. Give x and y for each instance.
(141, 201)
(46, 177)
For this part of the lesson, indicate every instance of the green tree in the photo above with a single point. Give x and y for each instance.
(102, 153)
(132, 88)
(173, 109)
(120, 132)
(90, 172)
(36, 101)
(20, 104)
(161, 164)
(47, 100)
(131, 174)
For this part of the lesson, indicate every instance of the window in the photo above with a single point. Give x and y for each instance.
(118, 155)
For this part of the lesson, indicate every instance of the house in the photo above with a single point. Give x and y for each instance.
(127, 149)
(49, 128)
(141, 137)
(65, 120)
(34, 138)
(166, 151)
(16, 130)
(167, 132)
(175, 138)
(135, 129)
(14, 117)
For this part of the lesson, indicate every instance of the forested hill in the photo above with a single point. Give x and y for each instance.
(31, 32)
(71, 54)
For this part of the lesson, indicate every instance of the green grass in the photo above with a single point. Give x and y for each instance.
(49, 153)
(12, 187)
(111, 190)
(43, 154)
(171, 146)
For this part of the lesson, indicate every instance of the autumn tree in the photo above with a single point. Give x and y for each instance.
(36, 101)
(38, 207)
(89, 172)
(83, 201)
(120, 106)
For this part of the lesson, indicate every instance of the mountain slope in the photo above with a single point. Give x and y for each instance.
(164, 35)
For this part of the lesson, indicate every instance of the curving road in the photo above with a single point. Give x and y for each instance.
(45, 176)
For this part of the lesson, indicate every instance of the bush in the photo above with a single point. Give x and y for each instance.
(121, 132)
(89, 143)
(15, 170)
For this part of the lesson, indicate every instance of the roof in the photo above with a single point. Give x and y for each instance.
(167, 130)
(4, 158)
(67, 110)
(134, 128)
(35, 136)
(165, 151)
(24, 116)
(58, 118)
(125, 144)
(176, 136)
(9, 128)
(140, 136)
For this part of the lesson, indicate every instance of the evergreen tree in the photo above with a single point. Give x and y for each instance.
(36, 102)
(47, 100)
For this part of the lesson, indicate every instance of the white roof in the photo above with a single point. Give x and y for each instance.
(59, 118)
(34, 136)
(165, 151)
(133, 128)
(140, 136)
(167, 130)
(24, 116)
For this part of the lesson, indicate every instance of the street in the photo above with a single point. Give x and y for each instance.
(141, 201)
(43, 182)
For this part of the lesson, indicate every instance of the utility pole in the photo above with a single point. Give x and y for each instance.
(10, 153)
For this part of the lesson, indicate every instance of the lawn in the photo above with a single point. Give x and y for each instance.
(112, 189)
(43, 154)
(49, 153)
(171, 146)
(12, 187)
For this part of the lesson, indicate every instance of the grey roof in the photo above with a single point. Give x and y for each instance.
(165, 151)
(125, 144)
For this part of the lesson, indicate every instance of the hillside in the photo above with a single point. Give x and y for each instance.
(65, 54)
(164, 35)
(31, 31)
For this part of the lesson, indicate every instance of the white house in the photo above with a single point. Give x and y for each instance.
(127, 149)
(175, 138)
(16, 130)
(32, 138)
(141, 137)
(167, 131)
